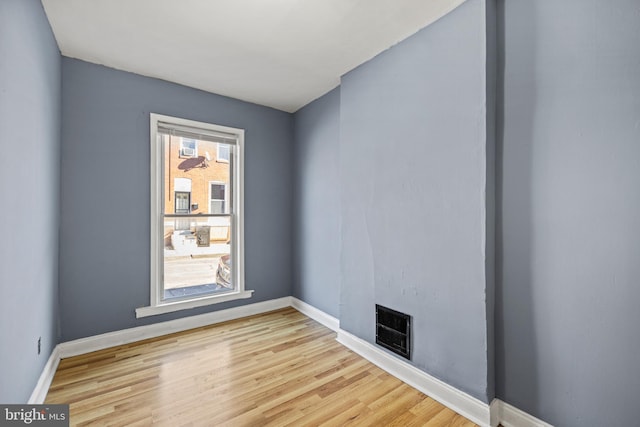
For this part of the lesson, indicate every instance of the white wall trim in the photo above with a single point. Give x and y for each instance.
(468, 406)
(510, 416)
(44, 382)
(494, 412)
(127, 336)
(170, 307)
(464, 404)
(316, 314)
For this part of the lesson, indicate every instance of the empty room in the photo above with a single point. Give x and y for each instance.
(320, 212)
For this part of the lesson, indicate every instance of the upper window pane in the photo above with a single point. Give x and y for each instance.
(191, 177)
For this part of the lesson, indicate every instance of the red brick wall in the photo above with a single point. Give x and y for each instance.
(194, 169)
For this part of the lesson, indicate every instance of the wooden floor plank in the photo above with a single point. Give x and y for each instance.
(277, 369)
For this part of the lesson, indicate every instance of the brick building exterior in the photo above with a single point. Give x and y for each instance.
(196, 181)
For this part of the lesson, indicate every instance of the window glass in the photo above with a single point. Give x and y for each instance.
(196, 216)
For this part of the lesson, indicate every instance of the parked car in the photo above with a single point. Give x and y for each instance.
(223, 274)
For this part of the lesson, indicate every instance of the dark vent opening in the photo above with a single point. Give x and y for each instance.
(393, 331)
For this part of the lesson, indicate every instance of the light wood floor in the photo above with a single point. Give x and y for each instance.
(275, 369)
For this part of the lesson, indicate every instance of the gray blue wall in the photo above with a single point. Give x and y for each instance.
(384, 189)
(317, 203)
(412, 174)
(29, 189)
(567, 300)
(104, 240)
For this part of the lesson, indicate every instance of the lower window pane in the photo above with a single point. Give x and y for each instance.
(197, 256)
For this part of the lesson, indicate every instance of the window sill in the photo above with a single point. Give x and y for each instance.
(192, 303)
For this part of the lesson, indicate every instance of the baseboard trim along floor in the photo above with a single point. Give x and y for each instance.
(510, 416)
(127, 336)
(44, 382)
(460, 402)
(485, 415)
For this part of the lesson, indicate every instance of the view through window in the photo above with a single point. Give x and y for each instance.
(197, 221)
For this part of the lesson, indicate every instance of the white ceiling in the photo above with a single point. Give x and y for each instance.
(278, 53)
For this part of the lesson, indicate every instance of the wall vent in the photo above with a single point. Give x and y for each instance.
(393, 331)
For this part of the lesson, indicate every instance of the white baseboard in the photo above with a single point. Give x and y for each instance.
(494, 412)
(127, 336)
(316, 314)
(510, 416)
(468, 406)
(462, 403)
(42, 386)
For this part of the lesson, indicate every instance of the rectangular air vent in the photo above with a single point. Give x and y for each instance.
(393, 331)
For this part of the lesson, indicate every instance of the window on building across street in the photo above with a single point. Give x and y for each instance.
(223, 153)
(188, 148)
(197, 255)
(217, 198)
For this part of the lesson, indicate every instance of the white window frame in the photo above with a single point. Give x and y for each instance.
(157, 305)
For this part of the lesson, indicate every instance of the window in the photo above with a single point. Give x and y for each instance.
(197, 254)
(217, 197)
(223, 153)
(188, 148)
